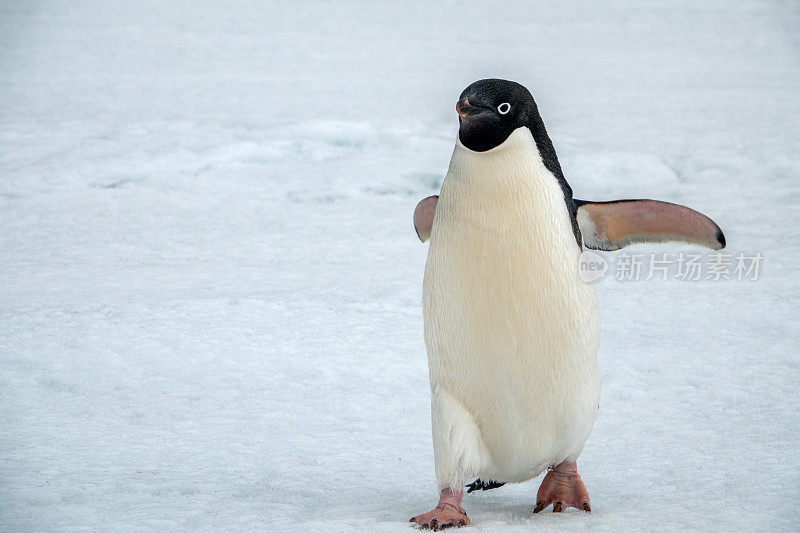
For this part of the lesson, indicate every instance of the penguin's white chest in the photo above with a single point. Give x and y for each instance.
(510, 329)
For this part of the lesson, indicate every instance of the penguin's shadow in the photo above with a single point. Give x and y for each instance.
(514, 510)
(500, 509)
(509, 508)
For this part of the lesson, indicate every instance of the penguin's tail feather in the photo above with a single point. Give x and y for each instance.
(479, 484)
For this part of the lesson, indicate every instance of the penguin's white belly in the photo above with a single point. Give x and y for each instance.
(510, 329)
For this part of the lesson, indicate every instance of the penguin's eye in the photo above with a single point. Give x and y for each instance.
(504, 108)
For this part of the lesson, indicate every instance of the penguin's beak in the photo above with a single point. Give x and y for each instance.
(463, 107)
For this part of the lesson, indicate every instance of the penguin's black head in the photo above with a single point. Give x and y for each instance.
(489, 110)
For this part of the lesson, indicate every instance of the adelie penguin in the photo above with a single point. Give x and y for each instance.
(511, 331)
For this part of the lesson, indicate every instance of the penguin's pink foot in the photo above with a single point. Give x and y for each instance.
(562, 486)
(448, 513)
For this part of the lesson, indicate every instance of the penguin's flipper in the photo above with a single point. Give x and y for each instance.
(423, 217)
(614, 225)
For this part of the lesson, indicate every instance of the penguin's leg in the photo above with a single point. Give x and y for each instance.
(458, 454)
(562, 486)
(447, 513)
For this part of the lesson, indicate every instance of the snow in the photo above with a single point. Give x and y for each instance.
(210, 308)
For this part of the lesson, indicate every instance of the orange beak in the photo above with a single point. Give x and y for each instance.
(461, 107)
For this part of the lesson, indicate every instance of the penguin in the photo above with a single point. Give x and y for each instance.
(511, 330)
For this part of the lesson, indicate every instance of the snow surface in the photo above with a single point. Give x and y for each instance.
(210, 285)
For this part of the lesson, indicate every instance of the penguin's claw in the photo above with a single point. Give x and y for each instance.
(441, 518)
(562, 486)
(448, 513)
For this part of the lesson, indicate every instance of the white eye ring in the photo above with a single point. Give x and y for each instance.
(504, 108)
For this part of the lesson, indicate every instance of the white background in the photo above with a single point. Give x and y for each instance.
(210, 284)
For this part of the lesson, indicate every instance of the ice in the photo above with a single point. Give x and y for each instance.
(210, 310)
